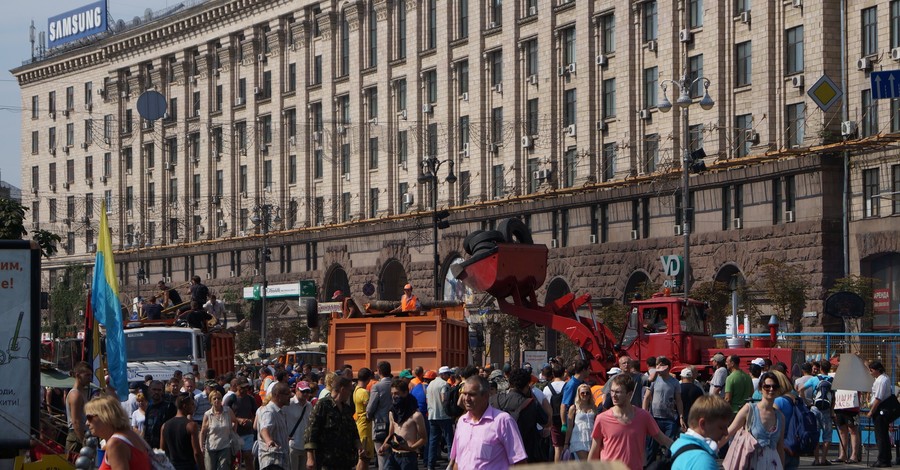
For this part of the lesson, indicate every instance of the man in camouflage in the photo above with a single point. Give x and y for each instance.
(332, 439)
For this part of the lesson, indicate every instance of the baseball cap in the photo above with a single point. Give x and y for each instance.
(759, 361)
(614, 371)
(687, 373)
(430, 375)
(303, 385)
(444, 370)
(337, 294)
(718, 357)
(406, 374)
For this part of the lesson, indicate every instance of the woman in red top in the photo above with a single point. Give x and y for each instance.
(125, 449)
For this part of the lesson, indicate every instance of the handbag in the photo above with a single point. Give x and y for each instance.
(742, 447)
(380, 431)
(890, 408)
(237, 443)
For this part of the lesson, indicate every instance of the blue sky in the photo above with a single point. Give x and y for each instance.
(17, 48)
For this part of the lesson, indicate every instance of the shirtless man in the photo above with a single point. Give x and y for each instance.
(75, 401)
(406, 434)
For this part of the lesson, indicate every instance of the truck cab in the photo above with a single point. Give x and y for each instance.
(161, 350)
(665, 326)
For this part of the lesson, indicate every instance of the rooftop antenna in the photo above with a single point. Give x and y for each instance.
(31, 38)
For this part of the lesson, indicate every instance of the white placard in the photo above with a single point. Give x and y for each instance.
(536, 358)
(16, 379)
(846, 399)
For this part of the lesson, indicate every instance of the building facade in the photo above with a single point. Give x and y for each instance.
(312, 119)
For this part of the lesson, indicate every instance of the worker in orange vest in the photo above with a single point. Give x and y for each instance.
(409, 302)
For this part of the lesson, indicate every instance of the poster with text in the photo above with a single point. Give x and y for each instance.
(19, 343)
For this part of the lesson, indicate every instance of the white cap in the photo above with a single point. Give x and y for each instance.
(614, 371)
(759, 361)
(444, 370)
(687, 373)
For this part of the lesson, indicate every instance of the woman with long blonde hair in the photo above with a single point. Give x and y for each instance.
(580, 423)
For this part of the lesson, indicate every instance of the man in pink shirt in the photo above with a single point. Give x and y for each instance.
(486, 438)
(621, 431)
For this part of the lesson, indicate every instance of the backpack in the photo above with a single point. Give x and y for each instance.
(802, 431)
(823, 395)
(555, 405)
(665, 463)
(451, 406)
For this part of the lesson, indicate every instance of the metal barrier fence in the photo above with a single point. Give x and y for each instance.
(884, 347)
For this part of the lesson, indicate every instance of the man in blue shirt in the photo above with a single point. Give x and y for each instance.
(580, 371)
(707, 424)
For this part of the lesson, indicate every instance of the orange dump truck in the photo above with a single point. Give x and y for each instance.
(430, 339)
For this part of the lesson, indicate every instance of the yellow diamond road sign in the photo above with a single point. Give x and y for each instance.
(825, 93)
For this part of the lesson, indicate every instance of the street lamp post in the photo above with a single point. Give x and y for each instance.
(683, 102)
(265, 223)
(430, 168)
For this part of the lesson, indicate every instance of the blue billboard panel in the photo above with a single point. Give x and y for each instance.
(76, 24)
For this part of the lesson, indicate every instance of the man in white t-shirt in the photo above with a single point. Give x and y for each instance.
(216, 308)
(717, 384)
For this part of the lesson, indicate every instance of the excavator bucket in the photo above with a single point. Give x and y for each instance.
(508, 269)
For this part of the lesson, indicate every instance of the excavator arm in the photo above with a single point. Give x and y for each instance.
(511, 272)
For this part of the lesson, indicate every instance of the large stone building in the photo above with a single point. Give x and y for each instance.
(312, 118)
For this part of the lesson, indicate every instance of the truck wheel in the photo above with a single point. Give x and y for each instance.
(515, 231)
(485, 240)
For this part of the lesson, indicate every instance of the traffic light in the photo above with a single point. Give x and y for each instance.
(697, 165)
(440, 217)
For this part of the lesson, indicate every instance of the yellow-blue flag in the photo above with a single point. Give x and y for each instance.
(107, 310)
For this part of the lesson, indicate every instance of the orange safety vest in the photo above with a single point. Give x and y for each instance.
(597, 392)
(408, 304)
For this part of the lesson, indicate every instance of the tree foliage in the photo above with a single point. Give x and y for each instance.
(246, 341)
(69, 296)
(12, 227)
(863, 287)
(783, 287)
(718, 297)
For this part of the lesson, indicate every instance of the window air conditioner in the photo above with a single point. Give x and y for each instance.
(635, 235)
(678, 230)
(570, 130)
(222, 223)
(497, 88)
(532, 11)
(685, 36)
(536, 174)
(602, 126)
(402, 114)
(544, 174)
(645, 114)
(651, 45)
(562, 71)
(593, 238)
(34, 190)
(745, 17)
(465, 150)
(571, 68)
(66, 185)
(66, 150)
(864, 64)
(895, 53)
(427, 108)
(52, 187)
(209, 275)
(408, 199)
(84, 145)
(89, 181)
(737, 223)
(66, 112)
(554, 243)
(602, 60)
(789, 216)
(797, 3)
(532, 79)
(52, 115)
(527, 142)
(104, 179)
(52, 150)
(797, 81)
(88, 107)
(848, 128)
(257, 90)
(341, 130)
(751, 136)
(239, 101)
(261, 58)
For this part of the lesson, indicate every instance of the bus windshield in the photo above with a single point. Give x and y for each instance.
(143, 346)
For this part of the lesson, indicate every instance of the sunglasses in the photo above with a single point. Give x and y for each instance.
(584, 393)
(770, 387)
(89, 417)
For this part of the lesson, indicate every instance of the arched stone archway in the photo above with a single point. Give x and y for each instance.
(335, 280)
(453, 288)
(728, 274)
(391, 280)
(634, 282)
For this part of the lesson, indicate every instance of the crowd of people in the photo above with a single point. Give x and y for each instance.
(273, 416)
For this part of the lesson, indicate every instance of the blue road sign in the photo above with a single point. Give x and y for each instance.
(885, 85)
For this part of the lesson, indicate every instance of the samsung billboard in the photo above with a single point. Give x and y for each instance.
(76, 24)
